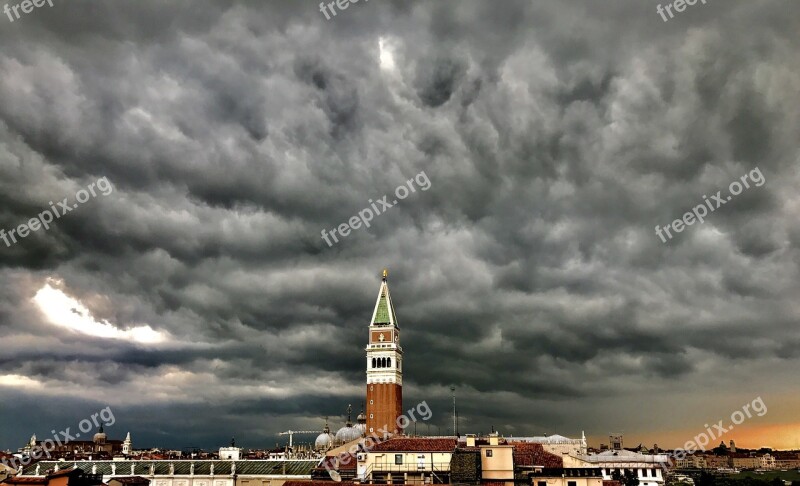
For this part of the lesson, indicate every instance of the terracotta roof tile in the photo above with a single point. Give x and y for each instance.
(532, 454)
(418, 444)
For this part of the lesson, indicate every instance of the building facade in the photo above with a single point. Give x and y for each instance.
(647, 467)
(184, 472)
(407, 461)
(384, 367)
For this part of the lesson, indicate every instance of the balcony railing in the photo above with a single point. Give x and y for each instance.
(434, 469)
(412, 467)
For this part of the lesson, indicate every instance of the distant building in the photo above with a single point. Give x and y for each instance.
(231, 453)
(787, 460)
(100, 447)
(127, 445)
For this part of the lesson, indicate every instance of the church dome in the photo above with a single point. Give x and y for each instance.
(361, 426)
(325, 439)
(100, 436)
(347, 434)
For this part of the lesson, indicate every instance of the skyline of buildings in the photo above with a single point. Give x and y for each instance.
(199, 197)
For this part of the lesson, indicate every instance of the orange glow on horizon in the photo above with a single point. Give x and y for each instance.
(775, 436)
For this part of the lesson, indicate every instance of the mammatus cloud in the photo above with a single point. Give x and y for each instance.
(557, 135)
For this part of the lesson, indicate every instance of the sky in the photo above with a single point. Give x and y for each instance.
(204, 146)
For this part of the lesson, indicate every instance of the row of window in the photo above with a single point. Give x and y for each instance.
(381, 362)
(642, 472)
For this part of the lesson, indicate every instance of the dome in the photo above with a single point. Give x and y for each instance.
(100, 436)
(324, 441)
(347, 434)
(361, 428)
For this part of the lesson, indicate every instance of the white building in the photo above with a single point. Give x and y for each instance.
(557, 444)
(127, 445)
(230, 453)
(189, 472)
(647, 467)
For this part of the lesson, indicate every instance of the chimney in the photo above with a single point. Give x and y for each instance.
(470, 440)
(494, 438)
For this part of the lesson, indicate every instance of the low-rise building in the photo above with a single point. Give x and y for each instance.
(128, 481)
(647, 467)
(407, 460)
(185, 472)
(64, 477)
(744, 461)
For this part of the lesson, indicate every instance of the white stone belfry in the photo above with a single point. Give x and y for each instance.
(127, 445)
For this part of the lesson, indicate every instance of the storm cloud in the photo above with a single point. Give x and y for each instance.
(556, 136)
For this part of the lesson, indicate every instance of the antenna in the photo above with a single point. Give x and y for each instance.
(455, 419)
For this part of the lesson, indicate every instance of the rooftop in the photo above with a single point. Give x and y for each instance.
(418, 444)
(291, 467)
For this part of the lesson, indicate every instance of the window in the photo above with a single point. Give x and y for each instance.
(371, 402)
(572, 483)
(542, 483)
(388, 362)
(398, 459)
(488, 453)
(371, 416)
(373, 362)
(653, 472)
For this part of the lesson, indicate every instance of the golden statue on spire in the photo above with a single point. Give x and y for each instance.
(385, 273)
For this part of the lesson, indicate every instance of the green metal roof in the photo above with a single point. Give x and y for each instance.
(384, 311)
(201, 467)
(382, 314)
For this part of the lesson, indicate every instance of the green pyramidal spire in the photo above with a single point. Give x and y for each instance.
(384, 310)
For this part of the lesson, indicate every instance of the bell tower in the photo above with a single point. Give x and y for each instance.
(384, 367)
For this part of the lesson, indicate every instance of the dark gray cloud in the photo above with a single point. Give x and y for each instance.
(555, 135)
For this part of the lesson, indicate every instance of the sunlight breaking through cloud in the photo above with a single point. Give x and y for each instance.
(65, 311)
